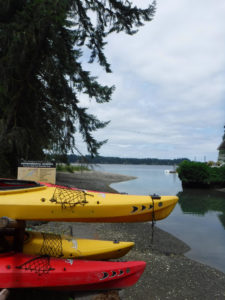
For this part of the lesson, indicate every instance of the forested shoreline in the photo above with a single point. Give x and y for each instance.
(72, 158)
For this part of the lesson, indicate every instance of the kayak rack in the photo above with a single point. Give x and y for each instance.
(18, 227)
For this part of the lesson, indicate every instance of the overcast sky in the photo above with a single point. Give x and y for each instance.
(170, 84)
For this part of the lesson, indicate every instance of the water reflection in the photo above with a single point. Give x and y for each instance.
(198, 219)
(199, 202)
(222, 219)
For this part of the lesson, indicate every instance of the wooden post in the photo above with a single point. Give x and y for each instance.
(19, 236)
(6, 222)
(19, 230)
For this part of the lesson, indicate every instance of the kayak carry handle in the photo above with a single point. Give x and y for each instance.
(155, 197)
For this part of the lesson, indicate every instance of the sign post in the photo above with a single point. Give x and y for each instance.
(37, 171)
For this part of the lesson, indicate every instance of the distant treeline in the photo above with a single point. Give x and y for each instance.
(126, 161)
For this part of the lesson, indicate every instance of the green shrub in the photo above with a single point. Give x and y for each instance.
(217, 176)
(197, 174)
(194, 174)
(71, 169)
(59, 168)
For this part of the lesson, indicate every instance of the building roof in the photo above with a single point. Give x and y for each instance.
(221, 146)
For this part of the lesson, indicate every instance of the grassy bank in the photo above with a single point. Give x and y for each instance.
(71, 169)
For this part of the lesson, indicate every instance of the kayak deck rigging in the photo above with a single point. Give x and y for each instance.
(40, 265)
(69, 198)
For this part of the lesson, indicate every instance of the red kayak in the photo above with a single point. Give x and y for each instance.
(21, 271)
(14, 184)
(11, 184)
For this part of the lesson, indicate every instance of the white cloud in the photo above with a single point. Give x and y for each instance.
(170, 84)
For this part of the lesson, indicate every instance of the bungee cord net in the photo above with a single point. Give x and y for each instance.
(52, 245)
(40, 265)
(69, 198)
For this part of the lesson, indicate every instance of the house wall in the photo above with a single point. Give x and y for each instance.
(221, 157)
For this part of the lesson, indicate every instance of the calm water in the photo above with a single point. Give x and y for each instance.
(198, 219)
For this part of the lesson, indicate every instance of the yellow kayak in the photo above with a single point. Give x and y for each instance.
(65, 246)
(42, 202)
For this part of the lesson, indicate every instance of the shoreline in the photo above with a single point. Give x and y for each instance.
(169, 273)
(91, 180)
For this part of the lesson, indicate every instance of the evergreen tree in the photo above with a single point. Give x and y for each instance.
(42, 77)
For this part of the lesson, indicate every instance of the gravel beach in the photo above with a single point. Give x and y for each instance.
(168, 275)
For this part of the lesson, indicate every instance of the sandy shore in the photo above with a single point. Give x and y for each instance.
(168, 275)
(92, 180)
